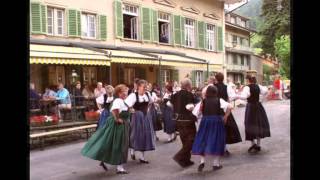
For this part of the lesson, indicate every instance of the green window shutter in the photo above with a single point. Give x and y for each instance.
(72, 22)
(175, 75)
(79, 23)
(103, 27)
(177, 29)
(44, 19)
(183, 39)
(155, 26)
(201, 34)
(146, 24)
(171, 29)
(220, 40)
(193, 78)
(196, 39)
(35, 17)
(118, 19)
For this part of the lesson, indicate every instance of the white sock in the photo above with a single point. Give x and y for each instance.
(132, 151)
(120, 167)
(252, 142)
(201, 159)
(216, 161)
(258, 141)
(169, 137)
(142, 155)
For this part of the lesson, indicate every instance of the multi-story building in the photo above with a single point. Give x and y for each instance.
(238, 51)
(115, 41)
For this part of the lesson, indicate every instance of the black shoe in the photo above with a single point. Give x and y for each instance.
(122, 172)
(200, 167)
(157, 139)
(144, 161)
(258, 148)
(104, 166)
(251, 148)
(227, 153)
(215, 168)
(133, 157)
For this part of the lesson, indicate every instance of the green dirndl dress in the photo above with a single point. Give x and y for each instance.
(110, 143)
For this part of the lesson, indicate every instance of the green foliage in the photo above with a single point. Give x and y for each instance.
(276, 23)
(252, 10)
(282, 52)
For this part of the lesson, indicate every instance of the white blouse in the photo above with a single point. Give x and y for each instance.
(224, 105)
(118, 103)
(154, 96)
(246, 92)
(166, 95)
(109, 99)
(131, 99)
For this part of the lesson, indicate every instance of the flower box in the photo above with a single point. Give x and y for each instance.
(92, 115)
(44, 120)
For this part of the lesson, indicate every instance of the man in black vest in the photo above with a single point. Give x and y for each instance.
(183, 103)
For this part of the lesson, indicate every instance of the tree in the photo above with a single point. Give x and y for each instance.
(276, 22)
(282, 52)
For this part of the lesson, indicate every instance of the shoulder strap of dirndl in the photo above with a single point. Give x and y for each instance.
(147, 96)
(137, 97)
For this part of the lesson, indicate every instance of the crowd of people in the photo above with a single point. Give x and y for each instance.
(130, 118)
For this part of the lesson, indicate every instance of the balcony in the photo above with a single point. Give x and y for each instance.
(238, 47)
(235, 67)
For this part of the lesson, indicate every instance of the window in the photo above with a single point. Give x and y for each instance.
(243, 23)
(234, 58)
(165, 76)
(238, 21)
(129, 75)
(88, 25)
(164, 27)
(55, 21)
(242, 60)
(242, 41)
(130, 21)
(189, 32)
(233, 20)
(234, 38)
(248, 61)
(199, 78)
(210, 37)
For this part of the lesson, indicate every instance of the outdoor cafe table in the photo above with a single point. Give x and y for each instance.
(47, 103)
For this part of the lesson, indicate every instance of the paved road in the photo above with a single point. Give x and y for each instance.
(65, 162)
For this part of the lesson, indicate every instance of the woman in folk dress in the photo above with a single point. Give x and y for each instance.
(210, 138)
(256, 121)
(110, 143)
(167, 111)
(142, 135)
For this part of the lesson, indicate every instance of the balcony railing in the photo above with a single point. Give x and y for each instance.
(238, 47)
(237, 67)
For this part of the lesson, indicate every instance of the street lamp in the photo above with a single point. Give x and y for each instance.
(74, 75)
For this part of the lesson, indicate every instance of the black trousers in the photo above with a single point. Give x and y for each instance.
(187, 132)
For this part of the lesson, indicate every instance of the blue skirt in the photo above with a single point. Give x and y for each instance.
(142, 135)
(210, 138)
(103, 118)
(168, 122)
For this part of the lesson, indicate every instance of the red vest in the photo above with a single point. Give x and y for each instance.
(276, 84)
